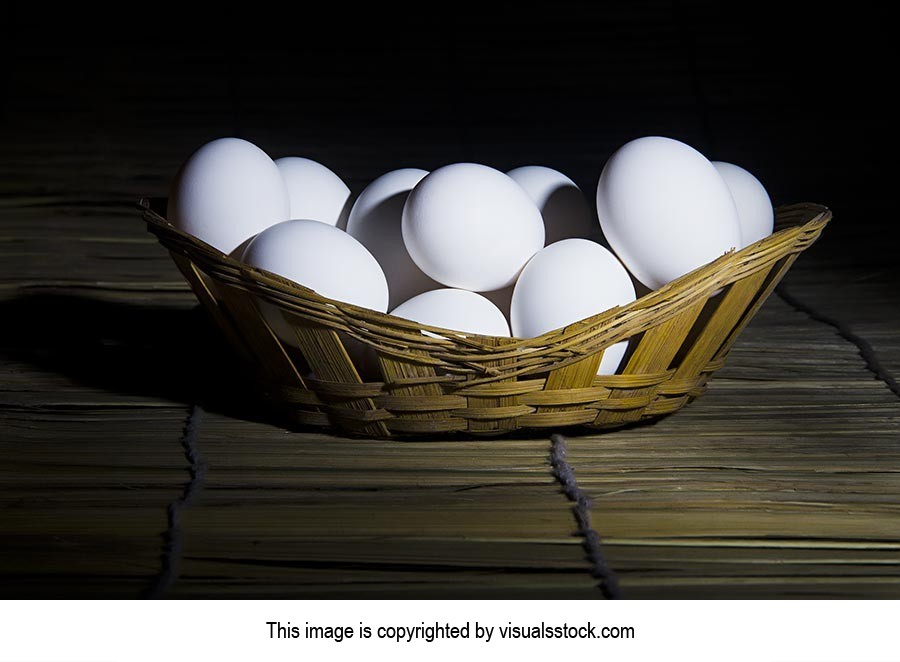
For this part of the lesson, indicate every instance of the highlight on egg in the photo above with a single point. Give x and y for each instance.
(567, 282)
(665, 210)
(316, 193)
(226, 192)
(472, 227)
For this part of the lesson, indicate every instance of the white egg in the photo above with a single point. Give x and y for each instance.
(472, 227)
(376, 220)
(563, 206)
(565, 283)
(322, 258)
(226, 192)
(754, 207)
(458, 310)
(665, 210)
(316, 192)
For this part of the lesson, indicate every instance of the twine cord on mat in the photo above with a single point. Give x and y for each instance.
(565, 474)
(174, 536)
(865, 348)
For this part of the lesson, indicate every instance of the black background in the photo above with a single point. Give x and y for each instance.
(797, 94)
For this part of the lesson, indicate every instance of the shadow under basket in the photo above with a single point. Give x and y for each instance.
(367, 373)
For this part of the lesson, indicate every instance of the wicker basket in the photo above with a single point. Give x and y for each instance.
(477, 385)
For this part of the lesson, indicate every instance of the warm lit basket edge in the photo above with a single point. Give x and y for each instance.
(482, 385)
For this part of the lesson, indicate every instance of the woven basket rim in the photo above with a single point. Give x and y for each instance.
(798, 225)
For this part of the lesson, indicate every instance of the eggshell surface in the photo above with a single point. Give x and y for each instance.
(227, 191)
(665, 210)
(567, 282)
(376, 221)
(457, 310)
(470, 226)
(322, 258)
(562, 204)
(316, 193)
(757, 217)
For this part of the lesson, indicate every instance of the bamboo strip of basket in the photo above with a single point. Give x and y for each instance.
(271, 355)
(326, 355)
(774, 277)
(578, 375)
(397, 370)
(210, 304)
(723, 321)
(504, 405)
(654, 353)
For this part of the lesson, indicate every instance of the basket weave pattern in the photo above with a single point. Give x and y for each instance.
(477, 385)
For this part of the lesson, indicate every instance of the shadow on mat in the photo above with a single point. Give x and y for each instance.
(152, 351)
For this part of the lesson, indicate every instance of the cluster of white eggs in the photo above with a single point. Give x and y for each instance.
(467, 247)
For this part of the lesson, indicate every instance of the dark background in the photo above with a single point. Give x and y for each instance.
(798, 95)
